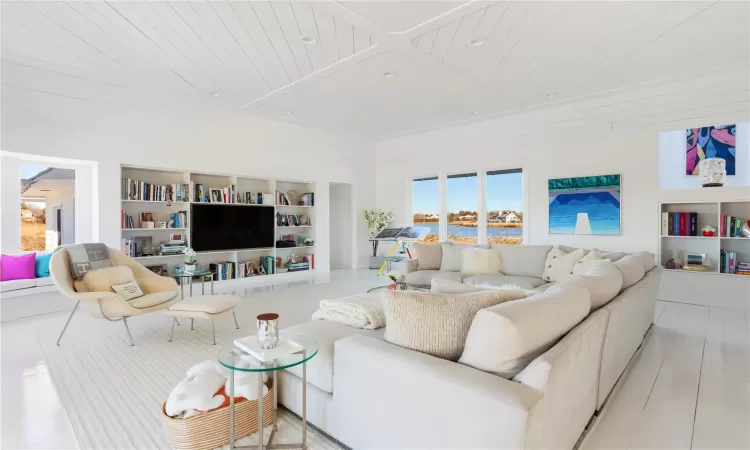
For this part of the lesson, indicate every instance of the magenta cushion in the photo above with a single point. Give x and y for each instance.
(17, 267)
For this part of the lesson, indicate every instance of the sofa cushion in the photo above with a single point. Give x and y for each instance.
(504, 338)
(452, 257)
(523, 260)
(479, 260)
(428, 256)
(632, 269)
(648, 258)
(325, 334)
(426, 276)
(101, 280)
(612, 256)
(603, 280)
(19, 267)
(493, 280)
(451, 287)
(560, 264)
(46, 281)
(14, 285)
(435, 324)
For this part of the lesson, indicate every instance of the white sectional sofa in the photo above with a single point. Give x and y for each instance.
(369, 393)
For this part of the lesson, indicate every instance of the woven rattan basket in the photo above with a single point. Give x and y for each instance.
(210, 429)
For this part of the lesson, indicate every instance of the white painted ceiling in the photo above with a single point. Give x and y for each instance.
(452, 61)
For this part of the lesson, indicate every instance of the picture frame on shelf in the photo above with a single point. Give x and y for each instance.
(249, 198)
(291, 220)
(148, 219)
(695, 259)
(303, 220)
(145, 245)
(216, 196)
(177, 237)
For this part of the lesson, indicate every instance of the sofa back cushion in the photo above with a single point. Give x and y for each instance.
(523, 260)
(632, 269)
(453, 257)
(559, 264)
(428, 255)
(480, 261)
(435, 324)
(603, 280)
(648, 259)
(504, 338)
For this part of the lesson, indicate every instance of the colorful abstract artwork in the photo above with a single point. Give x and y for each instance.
(585, 205)
(710, 142)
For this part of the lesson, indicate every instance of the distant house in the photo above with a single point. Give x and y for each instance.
(431, 217)
(467, 217)
(512, 217)
(56, 188)
(495, 219)
(26, 214)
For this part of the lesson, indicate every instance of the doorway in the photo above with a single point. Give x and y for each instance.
(341, 221)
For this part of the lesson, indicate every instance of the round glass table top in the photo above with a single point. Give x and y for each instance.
(196, 273)
(235, 359)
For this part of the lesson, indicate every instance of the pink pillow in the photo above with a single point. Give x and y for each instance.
(17, 267)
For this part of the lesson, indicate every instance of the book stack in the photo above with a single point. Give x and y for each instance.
(282, 198)
(130, 248)
(172, 248)
(269, 264)
(679, 224)
(126, 220)
(140, 190)
(178, 220)
(742, 269)
(731, 226)
(299, 266)
(224, 270)
(730, 264)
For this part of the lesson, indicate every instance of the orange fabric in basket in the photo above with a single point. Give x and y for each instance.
(223, 393)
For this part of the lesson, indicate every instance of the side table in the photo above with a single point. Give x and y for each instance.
(202, 274)
(235, 359)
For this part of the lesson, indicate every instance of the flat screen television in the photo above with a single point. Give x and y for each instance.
(230, 227)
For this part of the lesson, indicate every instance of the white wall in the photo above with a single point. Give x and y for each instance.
(245, 146)
(341, 215)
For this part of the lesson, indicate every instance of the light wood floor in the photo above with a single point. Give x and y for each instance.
(689, 388)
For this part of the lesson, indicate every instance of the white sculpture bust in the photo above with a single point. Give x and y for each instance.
(712, 171)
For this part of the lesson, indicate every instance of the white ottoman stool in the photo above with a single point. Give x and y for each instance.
(203, 307)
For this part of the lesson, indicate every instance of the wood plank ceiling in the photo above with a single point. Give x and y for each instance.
(321, 64)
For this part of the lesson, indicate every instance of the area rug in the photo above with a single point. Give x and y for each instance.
(112, 392)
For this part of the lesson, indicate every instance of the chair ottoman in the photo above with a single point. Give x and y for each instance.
(203, 307)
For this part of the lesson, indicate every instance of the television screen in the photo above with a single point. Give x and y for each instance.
(230, 227)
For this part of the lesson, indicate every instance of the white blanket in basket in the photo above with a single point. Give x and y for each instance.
(359, 311)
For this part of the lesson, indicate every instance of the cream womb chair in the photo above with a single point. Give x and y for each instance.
(160, 292)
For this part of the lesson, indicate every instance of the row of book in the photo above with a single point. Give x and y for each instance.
(223, 271)
(728, 263)
(731, 226)
(131, 248)
(205, 194)
(679, 224)
(140, 190)
(176, 220)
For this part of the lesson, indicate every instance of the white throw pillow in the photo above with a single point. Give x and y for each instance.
(631, 268)
(435, 324)
(128, 291)
(102, 280)
(452, 257)
(603, 280)
(505, 338)
(612, 256)
(560, 264)
(585, 263)
(428, 256)
(480, 261)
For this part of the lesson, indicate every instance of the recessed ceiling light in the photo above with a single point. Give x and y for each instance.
(477, 42)
(389, 74)
(214, 94)
(552, 96)
(308, 40)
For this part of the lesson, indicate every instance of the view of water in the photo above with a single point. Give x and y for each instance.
(458, 230)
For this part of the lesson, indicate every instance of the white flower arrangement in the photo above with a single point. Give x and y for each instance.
(189, 256)
(376, 221)
(396, 277)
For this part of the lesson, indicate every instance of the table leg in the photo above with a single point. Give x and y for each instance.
(191, 286)
(182, 289)
(275, 397)
(231, 410)
(260, 411)
(171, 335)
(212, 284)
(304, 401)
(191, 324)
(203, 285)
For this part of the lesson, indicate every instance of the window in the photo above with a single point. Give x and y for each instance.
(47, 207)
(504, 201)
(425, 206)
(462, 202)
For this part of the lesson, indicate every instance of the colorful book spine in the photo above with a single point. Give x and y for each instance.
(683, 224)
(672, 226)
(665, 224)
(693, 216)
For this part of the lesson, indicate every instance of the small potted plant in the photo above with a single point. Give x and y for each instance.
(189, 260)
(398, 280)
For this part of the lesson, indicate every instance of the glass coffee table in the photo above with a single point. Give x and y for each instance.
(409, 287)
(202, 274)
(235, 359)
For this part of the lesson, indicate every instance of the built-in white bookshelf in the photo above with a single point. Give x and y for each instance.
(163, 209)
(707, 214)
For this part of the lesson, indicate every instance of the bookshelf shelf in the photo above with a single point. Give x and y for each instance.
(713, 247)
(145, 182)
(297, 247)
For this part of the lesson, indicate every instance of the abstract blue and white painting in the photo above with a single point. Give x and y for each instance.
(585, 205)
